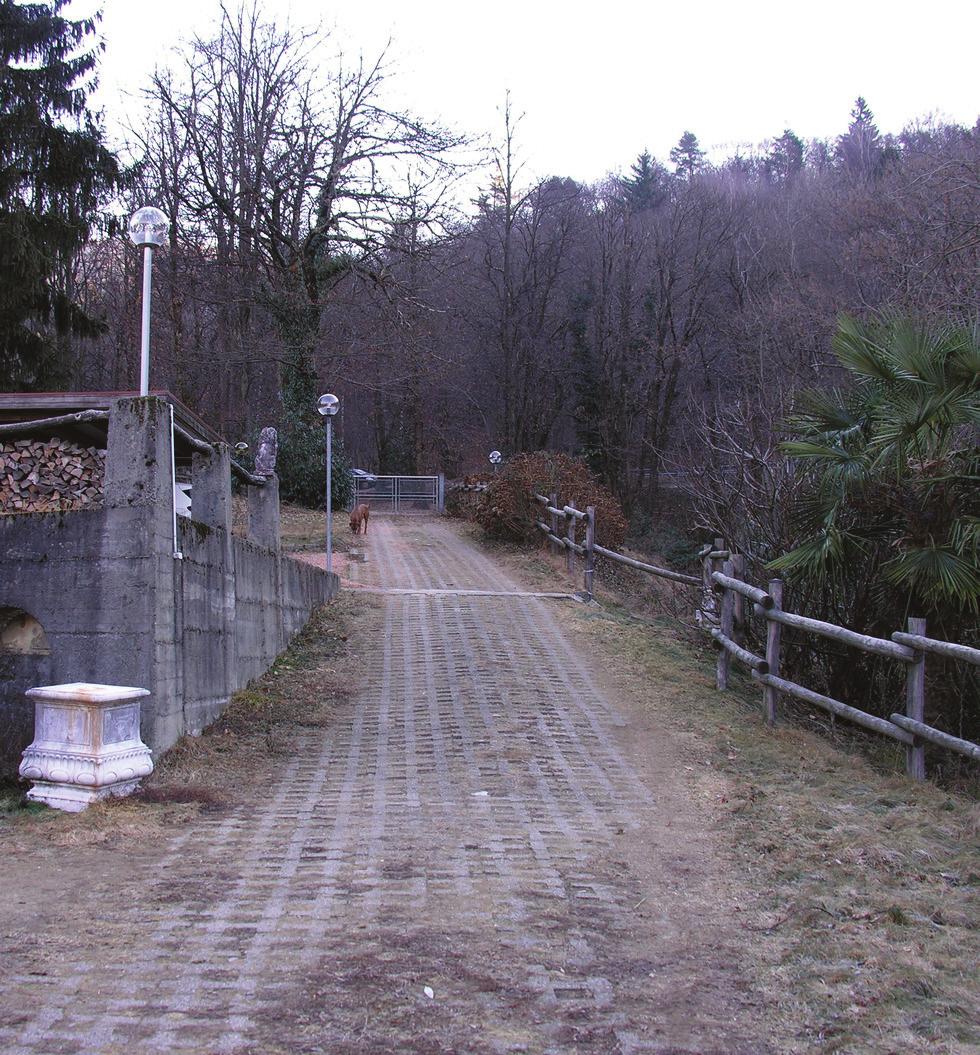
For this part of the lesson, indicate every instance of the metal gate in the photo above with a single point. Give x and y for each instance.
(400, 494)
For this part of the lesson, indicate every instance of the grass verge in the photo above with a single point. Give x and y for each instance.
(301, 529)
(857, 888)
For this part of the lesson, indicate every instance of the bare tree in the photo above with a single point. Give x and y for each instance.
(520, 248)
(291, 169)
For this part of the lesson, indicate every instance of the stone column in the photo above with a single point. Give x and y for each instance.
(211, 491)
(263, 530)
(138, 472)
(263, 514)
(86, 745)
(137, 643)
(211, 505)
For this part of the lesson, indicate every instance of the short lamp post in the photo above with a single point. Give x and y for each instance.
(327, 406)
(147, 228)
(495, 459)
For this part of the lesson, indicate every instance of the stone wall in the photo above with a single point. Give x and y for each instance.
(114, 604)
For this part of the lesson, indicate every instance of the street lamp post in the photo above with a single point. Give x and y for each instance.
(147, 228)
(327, 406)
(495, 459)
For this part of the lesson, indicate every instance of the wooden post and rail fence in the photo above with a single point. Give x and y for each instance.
(727, 599)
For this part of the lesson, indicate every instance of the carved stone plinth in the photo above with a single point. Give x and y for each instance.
(86, 745)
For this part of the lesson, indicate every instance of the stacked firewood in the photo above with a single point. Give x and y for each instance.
(39, 476)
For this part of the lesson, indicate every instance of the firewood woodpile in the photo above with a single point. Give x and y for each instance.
(41, 476)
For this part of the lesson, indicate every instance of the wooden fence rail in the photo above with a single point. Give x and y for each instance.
(722, 611)
(650, 569)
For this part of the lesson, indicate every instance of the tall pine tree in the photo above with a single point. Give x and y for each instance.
(687, 157)
(785, 160)
(860, 149)
(54, 172)
(647, 186)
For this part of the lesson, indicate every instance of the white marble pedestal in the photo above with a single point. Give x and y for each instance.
(86, 745)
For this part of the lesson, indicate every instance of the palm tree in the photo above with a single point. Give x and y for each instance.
(893, 464)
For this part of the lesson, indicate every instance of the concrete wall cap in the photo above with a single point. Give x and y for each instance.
(85, 692)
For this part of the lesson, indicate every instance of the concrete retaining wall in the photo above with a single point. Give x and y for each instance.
(117, 607)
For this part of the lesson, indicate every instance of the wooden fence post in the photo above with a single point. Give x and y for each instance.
(769, 695)
(553, 498)
(570, 536)
(726, 620)
(915, 704)
(738, 622)
(589, 551)
(709, 597)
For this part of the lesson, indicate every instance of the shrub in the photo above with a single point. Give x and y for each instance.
(300, 467)
(463, 504)
(508, 511)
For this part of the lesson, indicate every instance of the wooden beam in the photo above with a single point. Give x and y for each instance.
(770, 697)
(877, 645)
(827, 703)
(726, 622)
(935, 736)
(915, 704)
(650, 569)
(730, 582)
(941, 648)
(750, 659)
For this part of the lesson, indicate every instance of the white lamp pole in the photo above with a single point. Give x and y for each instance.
(327, 406)
(147, 228)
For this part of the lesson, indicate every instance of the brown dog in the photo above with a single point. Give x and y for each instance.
(359, 518)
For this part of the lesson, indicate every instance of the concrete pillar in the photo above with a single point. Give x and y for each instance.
(138, 471)
(263, 514)
(211, 505)
(263, 530)
(211, 491)
(139, 589)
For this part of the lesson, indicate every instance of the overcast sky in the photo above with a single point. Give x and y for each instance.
(599, 82)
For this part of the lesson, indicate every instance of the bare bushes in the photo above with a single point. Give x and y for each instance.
(739, 483)
(507, 510)
(463, 498)
(754, 493)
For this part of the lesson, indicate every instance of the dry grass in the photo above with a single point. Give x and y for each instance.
(198, 774)
(858, 888)
(863, 906)
(23, 825)
(302, 529)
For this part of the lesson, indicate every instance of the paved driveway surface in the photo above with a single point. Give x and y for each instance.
(485, 853)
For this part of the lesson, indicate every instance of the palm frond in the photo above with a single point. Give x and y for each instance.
(938, 573)
(825, 413)
(856, 348)
(822, 555)
(820, 451)
(916, 350)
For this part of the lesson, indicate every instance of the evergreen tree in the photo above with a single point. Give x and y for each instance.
(54, 171)
(589, 391)
(860, 150)
(785, 160)
(687, 157)
(647, 187)
(741, 169)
